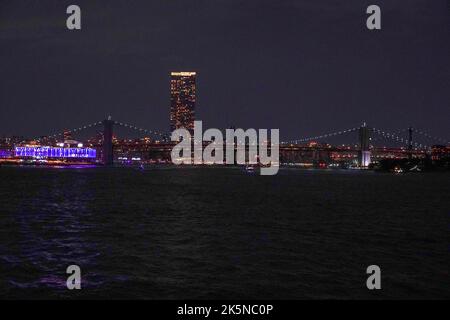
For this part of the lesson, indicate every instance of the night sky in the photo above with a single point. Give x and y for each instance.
(306, 67)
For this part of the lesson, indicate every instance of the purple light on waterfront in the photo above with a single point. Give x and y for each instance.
(51, 152)
(5, 154)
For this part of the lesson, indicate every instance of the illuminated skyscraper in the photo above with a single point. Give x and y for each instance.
(182, 100)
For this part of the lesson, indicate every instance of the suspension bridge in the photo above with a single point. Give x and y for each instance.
(367, 137)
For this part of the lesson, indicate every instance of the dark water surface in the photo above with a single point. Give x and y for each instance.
(221, 233)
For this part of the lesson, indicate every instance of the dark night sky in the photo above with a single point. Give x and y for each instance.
(306, 67)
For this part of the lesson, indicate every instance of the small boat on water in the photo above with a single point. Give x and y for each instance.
(250, 169)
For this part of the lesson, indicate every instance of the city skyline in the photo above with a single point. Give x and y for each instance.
(183, 97)
(293, 65)
(181, 114)
(230, 157)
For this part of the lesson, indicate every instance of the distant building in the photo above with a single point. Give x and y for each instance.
(439, 152)
(67, 135)
(182, 100)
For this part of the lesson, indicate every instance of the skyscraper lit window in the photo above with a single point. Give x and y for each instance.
(182, 100)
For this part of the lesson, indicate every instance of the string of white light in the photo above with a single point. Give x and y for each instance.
(126, 125)
(425, 134)
(397, 138)
(72, 130)
(332, 134)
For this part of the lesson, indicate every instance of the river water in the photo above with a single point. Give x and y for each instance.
(175, 233)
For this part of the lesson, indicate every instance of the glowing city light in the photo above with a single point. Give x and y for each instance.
(51, 152)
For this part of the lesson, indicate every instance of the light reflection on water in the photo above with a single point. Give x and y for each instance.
(221, 233)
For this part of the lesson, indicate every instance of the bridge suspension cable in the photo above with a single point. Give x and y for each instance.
(91, 125)
(381, 136)
(425, 134)
(326, 135)
(73, 130)
(165, 136)
(397, 138)
(382, 133)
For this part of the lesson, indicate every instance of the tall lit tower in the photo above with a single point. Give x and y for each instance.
(108, 155)
(182, 100)
(364, 144)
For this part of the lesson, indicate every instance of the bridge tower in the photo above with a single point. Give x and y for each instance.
(107, 142)
(410, 142)
(364, 152)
